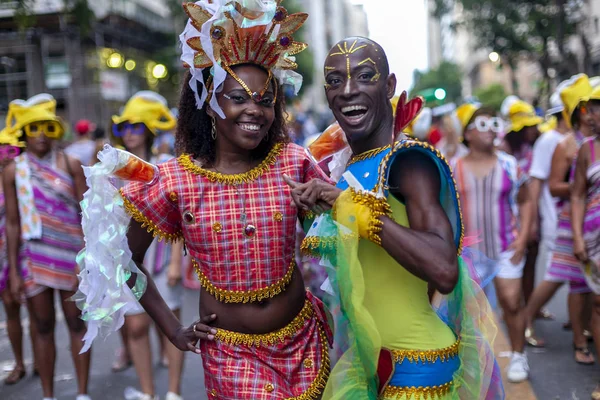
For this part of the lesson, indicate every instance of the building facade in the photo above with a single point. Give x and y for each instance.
(90, 70)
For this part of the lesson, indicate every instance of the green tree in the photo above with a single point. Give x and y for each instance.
(491, 96)
(447, 76)
(523, 28)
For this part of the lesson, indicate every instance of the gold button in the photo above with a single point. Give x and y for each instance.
(308, 363)
(213, 393)
(173, 196)
(217, 227)
(278, 217)
(269, 387)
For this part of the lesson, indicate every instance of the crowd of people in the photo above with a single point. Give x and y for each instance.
(219, 196)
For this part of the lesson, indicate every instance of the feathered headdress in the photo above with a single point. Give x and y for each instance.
(224, 33)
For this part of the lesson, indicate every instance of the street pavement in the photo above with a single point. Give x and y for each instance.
(554, 375)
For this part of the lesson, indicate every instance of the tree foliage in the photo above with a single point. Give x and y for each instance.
(537, 29)
(491, 96)
(447, 76)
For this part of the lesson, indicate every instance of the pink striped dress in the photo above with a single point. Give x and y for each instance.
(489, 204)
(51, 259)
(591, 221)
(564, 266)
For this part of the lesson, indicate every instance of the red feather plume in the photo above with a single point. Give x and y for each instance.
(406, 112)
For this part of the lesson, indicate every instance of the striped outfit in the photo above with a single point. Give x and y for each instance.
(240, 232)
(51, 258)
(4, 269)
(565, 267)
(591, 221)
(489, 205)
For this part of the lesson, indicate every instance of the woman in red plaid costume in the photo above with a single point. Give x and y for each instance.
(260, 333)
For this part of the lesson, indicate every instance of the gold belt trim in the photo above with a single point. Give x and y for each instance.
(318, 384)
(240, 296)
(430, 356)
(426, 393)
(247, 339)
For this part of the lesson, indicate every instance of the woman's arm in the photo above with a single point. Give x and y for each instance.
(13, 229)
(560, 167)
(156, 307)
(578, 199)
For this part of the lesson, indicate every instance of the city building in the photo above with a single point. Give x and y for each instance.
(329, 22)
(90, 69)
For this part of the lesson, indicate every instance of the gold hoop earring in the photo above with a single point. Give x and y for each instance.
(213, 131)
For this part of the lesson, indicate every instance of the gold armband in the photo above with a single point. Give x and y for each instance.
(360, 211)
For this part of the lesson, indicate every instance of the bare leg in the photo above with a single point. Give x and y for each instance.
(33, 336)
(77, 330)
(44, 314)
(509, 297)
(15, 335)
(596, 333)
(123, 356)
(576, 314)
(138, 331)
(540, 296)
(528, 283)
(162, 341)
(175, 357)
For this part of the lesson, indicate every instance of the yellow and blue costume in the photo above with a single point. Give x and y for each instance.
(392, 344)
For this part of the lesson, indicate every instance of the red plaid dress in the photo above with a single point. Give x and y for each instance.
(206, 209)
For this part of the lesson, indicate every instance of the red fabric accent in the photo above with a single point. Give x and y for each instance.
(385, 369)
(83, 126)
(435, 136)
(406, 112)
(229, 259)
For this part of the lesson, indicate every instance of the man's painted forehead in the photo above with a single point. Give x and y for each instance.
(356, 51)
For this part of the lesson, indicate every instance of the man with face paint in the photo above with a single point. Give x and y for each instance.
(391, 230)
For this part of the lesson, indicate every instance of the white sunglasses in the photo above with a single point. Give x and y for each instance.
(486, 124)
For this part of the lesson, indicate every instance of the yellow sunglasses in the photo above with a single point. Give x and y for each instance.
(51, 129)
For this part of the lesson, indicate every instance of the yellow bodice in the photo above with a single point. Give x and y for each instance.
(398, 300)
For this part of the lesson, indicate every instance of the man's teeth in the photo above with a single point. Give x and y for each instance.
(353, 108)
(250, 127)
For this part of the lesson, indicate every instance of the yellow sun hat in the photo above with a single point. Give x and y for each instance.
(7, 138)
(39, 108)
(464, 113)
(573, 92)
(595, 84)
(519, 114)
(548, 125)
(149, 108)
(421, 125)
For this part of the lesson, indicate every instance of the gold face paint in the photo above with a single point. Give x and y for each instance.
(345, 51)
(377, 75)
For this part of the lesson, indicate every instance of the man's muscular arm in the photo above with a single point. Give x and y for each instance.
(427, 248)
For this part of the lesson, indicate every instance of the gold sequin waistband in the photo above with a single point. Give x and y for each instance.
(430, 356)
(242, 296)
(427, 392)
(271, 338)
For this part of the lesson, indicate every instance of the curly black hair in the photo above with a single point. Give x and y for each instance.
(194, 126)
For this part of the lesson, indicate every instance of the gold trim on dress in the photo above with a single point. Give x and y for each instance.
(186, 161)
(429, 356)
(311, 244)
(318, 384)
(412, 143)
(147, 223)
(367, 154)
(240, 296)
(426, 392)
(268, 339)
